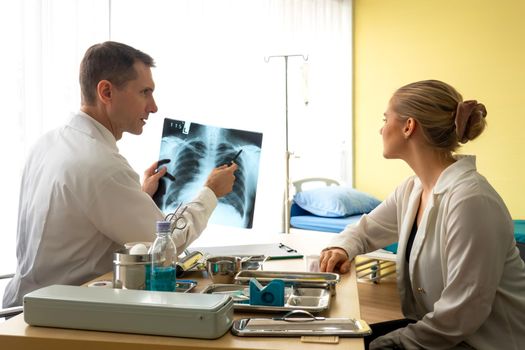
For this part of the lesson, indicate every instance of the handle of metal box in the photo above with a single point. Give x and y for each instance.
(292, 316)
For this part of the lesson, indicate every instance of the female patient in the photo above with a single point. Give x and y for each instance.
(460, 276)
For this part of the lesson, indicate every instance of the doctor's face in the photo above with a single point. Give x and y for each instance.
(392, 133)
(133, 103)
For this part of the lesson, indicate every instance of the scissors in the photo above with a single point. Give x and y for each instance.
(178, 221)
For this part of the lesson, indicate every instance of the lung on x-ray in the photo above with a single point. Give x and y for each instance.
(194, 150)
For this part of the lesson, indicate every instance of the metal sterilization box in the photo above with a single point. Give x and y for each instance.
(130, 311)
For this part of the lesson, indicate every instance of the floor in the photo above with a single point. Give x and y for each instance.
(379, 301)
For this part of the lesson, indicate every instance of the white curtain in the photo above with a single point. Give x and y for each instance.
(211, 69)
(43, 42)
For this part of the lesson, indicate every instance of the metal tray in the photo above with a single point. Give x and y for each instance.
(307, 324)
(325, 280)
(185, 286)
(310, 299)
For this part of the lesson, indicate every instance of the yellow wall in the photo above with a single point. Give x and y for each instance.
(477, 46)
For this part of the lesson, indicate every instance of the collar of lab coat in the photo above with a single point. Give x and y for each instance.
(463, 165)
(448, 177)
(89, 126)
(408, 222)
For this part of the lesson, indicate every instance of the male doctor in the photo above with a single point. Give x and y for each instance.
(80, 200)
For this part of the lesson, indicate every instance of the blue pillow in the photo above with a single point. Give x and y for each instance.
(336, 201)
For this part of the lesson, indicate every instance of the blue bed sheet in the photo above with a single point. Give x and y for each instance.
(321, 223)
(302, 219)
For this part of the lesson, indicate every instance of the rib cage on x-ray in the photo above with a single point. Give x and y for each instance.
(196, 156)
(194, 150)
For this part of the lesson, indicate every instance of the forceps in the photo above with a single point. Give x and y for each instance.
(178, 221)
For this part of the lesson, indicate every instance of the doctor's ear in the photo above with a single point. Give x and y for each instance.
(104, 91)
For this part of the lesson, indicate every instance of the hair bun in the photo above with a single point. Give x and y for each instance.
(470, 120)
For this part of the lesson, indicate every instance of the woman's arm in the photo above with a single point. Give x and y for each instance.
(375, 230)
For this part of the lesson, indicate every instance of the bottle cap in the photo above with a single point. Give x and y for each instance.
(163, 226)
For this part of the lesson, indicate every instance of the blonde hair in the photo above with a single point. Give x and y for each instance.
(437, 108)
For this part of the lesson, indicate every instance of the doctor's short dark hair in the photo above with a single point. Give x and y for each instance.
(110, 61)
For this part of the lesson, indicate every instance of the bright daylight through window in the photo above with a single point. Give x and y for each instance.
(211, 69)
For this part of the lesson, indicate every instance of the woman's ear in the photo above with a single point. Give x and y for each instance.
(409, 128)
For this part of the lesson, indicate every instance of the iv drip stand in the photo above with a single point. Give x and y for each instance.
(286, 215)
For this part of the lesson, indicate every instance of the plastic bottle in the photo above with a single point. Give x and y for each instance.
(163, 260)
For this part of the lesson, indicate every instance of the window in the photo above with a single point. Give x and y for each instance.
(210, 69)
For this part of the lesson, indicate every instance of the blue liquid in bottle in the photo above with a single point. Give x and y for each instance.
(163, 279)
(161, 275)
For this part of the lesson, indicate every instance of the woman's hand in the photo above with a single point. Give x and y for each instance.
(334, 258)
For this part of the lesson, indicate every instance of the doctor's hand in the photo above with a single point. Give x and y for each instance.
(334, 258)
(152, 177)
(221, 179)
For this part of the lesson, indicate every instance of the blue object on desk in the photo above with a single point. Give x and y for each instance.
(270, 295)
(519, 230)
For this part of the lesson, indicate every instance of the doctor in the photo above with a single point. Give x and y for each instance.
(460, 276)
(80, 200)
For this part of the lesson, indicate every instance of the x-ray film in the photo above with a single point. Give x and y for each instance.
(194, 150)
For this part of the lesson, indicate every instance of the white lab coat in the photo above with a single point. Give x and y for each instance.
(466, 281)
(80, 200)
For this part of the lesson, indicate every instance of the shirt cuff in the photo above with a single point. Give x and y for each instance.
(208, 197)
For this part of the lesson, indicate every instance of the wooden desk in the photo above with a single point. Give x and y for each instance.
(16, 334)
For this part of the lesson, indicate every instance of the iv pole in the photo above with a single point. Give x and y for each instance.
(287, 153)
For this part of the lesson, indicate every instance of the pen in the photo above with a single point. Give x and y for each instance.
(169, 176)
(236, 156)
(162, 162)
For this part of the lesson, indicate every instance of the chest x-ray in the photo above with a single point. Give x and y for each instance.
(194, 150)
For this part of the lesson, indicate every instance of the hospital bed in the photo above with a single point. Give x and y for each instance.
(328, 202)
(323, 192)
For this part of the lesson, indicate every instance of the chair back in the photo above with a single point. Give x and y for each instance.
(10, 311)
